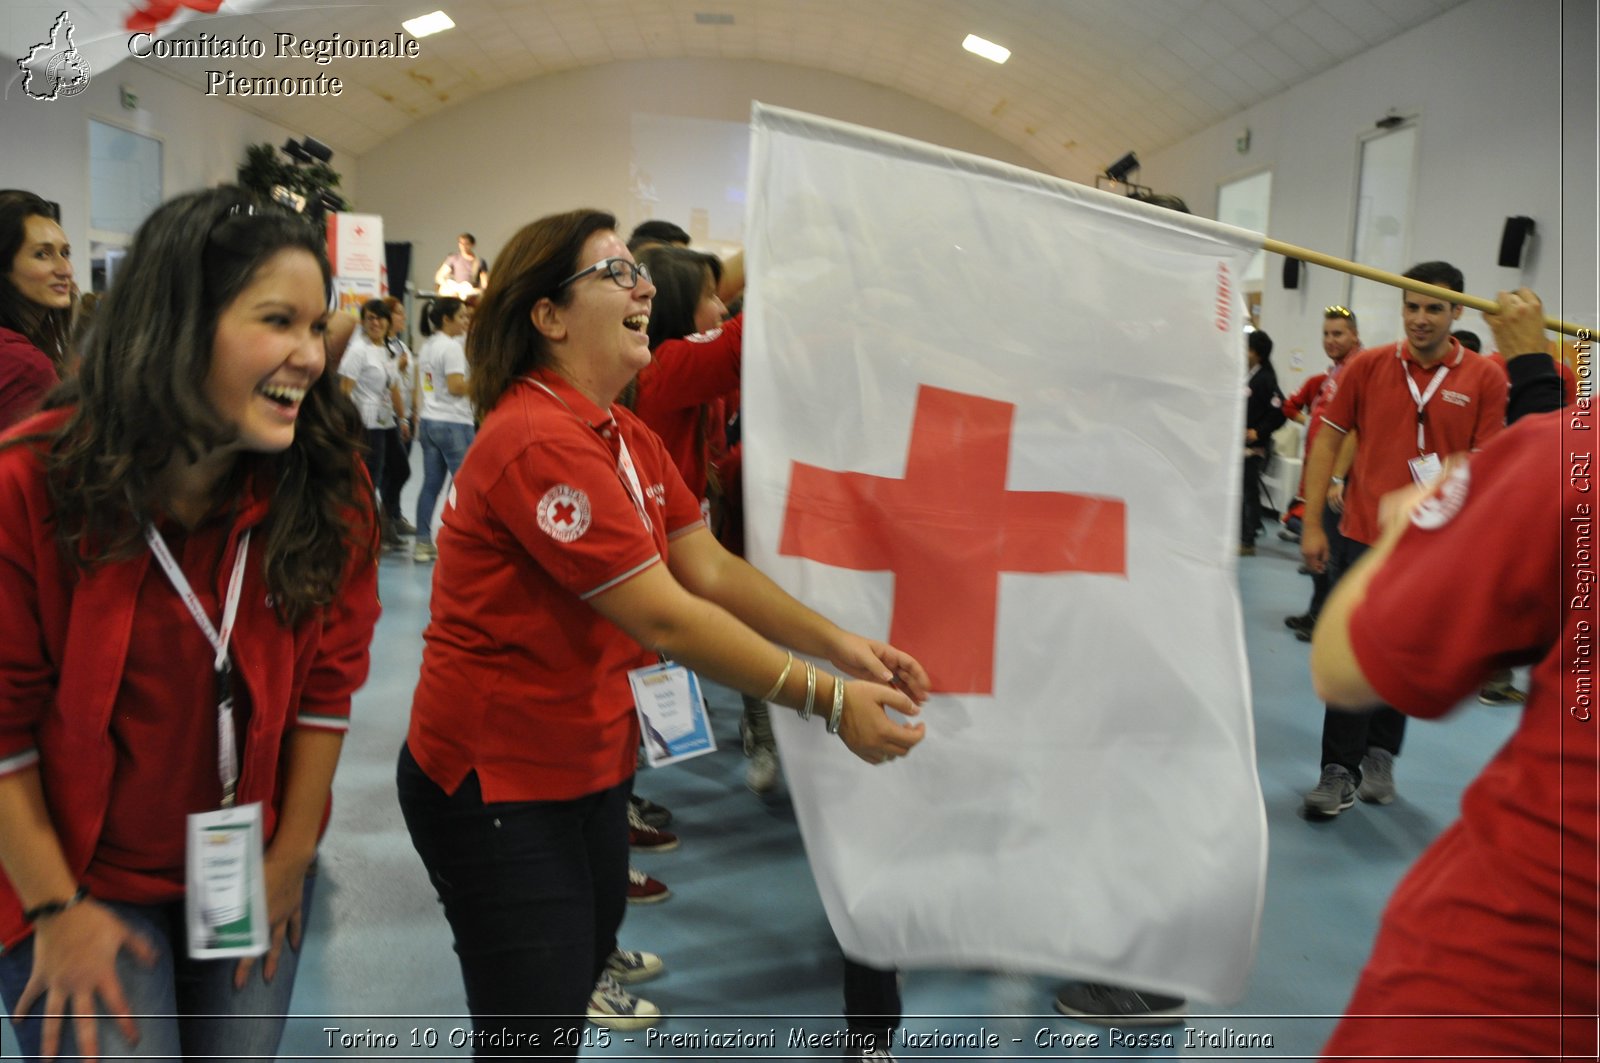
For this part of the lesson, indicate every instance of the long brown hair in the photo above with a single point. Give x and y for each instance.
(138, 403)
(503, 343)
(46, 328)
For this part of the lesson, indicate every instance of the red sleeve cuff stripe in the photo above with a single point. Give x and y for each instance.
(1338, 427)
(685, 530)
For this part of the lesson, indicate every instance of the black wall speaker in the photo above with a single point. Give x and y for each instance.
(1513, 238)
(1291, 273)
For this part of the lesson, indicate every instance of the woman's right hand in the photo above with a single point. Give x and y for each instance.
(868, 731)
(74, 962)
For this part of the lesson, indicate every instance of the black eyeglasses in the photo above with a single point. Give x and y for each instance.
(625, 273)
(1336, 311)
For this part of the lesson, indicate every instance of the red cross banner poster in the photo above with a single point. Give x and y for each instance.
(355, 248)
(994, 417)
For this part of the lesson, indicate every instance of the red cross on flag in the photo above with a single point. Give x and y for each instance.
(994, 417)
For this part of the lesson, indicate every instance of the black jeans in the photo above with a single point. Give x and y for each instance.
(534, 891)
(377, 454)
(871, 1005)
(1346, 736)
(396, 471)
(1250, 518)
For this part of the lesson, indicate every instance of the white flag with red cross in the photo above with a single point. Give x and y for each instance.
(994, 418)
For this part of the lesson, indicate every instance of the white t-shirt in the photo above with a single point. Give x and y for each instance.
(439, 357)
(374, 373)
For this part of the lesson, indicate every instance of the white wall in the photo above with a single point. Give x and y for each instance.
(1504, 128)
(44, 144)
(496, 162)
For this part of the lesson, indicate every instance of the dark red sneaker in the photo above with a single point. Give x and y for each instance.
(642, 889)
(644, 837)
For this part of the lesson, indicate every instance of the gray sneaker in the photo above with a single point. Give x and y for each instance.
(760, 747)
(1335, 792)
(1377, 777)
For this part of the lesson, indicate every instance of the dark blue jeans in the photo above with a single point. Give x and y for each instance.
(534, 892)
(184, 1008)
(1346, 736)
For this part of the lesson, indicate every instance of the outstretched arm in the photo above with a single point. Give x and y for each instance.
(710, 634)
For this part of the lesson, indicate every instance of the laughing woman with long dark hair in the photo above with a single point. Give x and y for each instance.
(188, 589)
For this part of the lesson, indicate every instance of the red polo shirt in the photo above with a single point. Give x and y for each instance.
(1493, 933)
(681, 396)
(522, 681)
(1466, 410)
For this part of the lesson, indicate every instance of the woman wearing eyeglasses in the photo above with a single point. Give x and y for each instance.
(571, 554)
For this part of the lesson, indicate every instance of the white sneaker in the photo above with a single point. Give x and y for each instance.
(615, 1008)
(424, 552)
(630, 967)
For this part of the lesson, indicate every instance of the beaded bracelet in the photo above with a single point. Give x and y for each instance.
(836, 714)
(783, 677)
(811, 691)
(49, 908)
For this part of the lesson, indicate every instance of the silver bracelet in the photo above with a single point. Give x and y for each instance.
(783, 677)
(811, 691)
(836, 714)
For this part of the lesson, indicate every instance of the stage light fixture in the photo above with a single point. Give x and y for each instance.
(1119, 170)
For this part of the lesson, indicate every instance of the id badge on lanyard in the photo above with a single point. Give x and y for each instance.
(225, 899)
(672, 713)
(1426, 466)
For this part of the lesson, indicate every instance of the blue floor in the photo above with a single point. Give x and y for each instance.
(747, 948)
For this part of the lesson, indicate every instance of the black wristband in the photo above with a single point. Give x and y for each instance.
(49, 908)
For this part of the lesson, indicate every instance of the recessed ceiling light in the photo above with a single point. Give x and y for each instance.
(426, 25)
(988, 49)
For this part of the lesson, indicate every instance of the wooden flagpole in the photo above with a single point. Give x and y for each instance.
(1317, 258)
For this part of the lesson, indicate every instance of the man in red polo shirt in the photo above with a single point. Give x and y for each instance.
(1340, 339)
(1412, 404)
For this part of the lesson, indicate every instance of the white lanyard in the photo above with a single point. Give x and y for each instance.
(227, 751)
(1423, 398)
(625, 469)
(631, 479)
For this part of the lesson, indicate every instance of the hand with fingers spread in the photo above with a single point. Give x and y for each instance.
(74, 972)
(286, 880)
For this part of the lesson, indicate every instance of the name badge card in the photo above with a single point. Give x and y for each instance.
(672, 714)
(226, 903)
(1426, 470)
